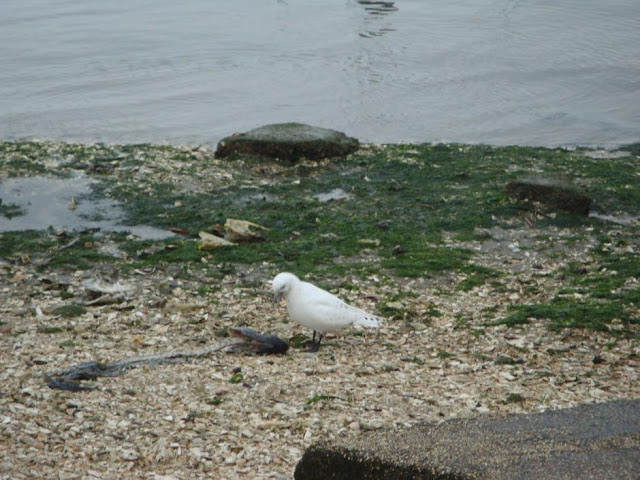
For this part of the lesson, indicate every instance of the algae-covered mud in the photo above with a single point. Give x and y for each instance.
(495, 305)
(434, 212)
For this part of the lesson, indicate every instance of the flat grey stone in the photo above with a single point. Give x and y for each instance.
(555, 193)
(288, 142)
(586, 442)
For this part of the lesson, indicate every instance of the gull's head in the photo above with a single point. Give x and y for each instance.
(281, 285)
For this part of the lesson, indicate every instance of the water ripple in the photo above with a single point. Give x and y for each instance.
(505, 71)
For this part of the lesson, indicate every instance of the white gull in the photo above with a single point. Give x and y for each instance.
(318, 309)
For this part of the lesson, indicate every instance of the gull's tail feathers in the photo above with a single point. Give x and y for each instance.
(370, 321)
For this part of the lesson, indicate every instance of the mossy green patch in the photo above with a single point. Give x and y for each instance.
(51, 250)
(615, 278)
(48, 329)
(515, 398)
(633, 148)
(79, 257)
(504, 360)
(298, 341)
(595, 300)
(221, 333)
(14, 244)
(407, 208)
(476, 275)
(316, 398)
(423, 260)
(396, 199)
(481, 357)
(477, 332)
(571, 313)
(11, 210)
(170, 251)
(69, 311)
(444, 354)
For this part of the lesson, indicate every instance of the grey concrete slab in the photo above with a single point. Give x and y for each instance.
(596, 441)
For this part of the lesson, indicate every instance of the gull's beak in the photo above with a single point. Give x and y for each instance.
(276, 300)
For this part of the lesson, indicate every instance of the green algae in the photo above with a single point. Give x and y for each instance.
(10, 210)
(69, 311)
(402, 201)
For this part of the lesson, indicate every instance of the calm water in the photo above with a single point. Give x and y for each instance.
(37, 203)
(537, 72)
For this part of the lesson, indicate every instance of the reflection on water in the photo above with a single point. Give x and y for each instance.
(376, 25)
(503, 72)
(378, 8)
(37, 203)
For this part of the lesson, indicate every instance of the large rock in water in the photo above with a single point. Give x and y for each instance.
(288, 142)
(555, 193)
(589, 442)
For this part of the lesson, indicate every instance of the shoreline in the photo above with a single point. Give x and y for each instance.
(211, 144)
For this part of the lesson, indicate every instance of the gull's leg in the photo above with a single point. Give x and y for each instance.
(311, 344)
(314, 346)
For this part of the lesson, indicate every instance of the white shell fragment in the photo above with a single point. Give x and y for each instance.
(210, 241)
(238, 231)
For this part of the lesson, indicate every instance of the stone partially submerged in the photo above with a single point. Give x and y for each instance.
(288, 142)
(555, 193)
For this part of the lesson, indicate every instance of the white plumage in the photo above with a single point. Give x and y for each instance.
(317, 309)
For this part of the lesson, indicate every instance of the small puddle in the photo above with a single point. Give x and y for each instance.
(606, 154)
(257, 198)
(335, 195)
(627, 220)
(37, 203)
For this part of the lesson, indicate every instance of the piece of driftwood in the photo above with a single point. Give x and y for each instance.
(242, 340)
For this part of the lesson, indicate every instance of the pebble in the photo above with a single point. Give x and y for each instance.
(130, 455)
